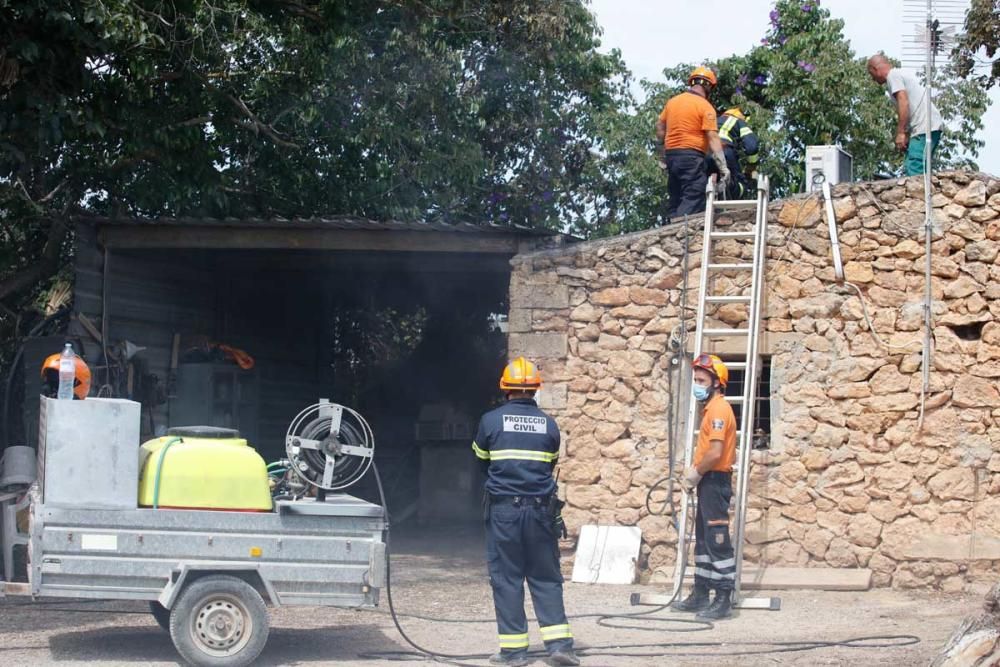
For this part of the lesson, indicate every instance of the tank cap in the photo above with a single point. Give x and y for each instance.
(213, 432)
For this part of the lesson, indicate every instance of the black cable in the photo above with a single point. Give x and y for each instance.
(422, 652)
(875, 641)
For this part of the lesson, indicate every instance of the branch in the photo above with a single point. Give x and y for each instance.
(299, 9)
(52, 194)
(198, 120)
(129, 162)
(44, 267)
(258, 125)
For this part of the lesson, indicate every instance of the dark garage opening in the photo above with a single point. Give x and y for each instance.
(411, 339)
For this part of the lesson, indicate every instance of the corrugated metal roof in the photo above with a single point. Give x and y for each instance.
(319, 222)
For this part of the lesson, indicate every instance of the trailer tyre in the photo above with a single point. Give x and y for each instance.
(161, 614)
(219, 621)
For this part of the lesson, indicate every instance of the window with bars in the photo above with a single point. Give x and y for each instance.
(762, 415)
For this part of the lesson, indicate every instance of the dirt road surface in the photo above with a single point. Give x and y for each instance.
(442, 574)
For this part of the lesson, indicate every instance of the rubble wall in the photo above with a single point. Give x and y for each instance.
(848, 480)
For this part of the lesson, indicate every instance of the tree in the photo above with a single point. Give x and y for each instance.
(802, 85)
(439, 110)
(981, 36)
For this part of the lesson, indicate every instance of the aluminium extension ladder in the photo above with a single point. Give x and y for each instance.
(750, 294)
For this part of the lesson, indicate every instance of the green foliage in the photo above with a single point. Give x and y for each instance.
(803, 85)
(980, 38)
(443, 110)
(439, 110)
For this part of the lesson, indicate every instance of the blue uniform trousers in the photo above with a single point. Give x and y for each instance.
(686, 180)
(521, 544)
(714, 560)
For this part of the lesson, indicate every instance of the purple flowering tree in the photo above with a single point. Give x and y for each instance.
(804, 85)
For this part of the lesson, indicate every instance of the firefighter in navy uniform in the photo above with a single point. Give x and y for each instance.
(736, 136)
(712, 475)
(518, 446)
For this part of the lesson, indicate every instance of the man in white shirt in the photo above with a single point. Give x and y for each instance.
(911, 108)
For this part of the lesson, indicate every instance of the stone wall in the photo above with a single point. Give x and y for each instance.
(848, 479)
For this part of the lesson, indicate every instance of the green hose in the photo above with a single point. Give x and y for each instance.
(276, 464)
(159, 467)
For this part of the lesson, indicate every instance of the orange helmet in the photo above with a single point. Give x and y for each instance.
(702, 74)
(713, 365)
(50, 376)
(520, 375)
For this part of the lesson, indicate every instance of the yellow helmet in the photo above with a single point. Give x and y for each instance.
(737, 112)
(520, 375)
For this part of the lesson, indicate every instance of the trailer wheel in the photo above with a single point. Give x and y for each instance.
(219, 621)
(161, 614)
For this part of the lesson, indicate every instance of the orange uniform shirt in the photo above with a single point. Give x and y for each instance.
(688, 116)
(718, 423)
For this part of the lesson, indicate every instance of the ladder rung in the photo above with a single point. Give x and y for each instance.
(736, 365)
(728, 298)
(734, 399)
(709, 333)
(748, 234)
(734, 204)
(731, 267)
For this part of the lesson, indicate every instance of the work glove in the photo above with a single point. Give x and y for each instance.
(724, 176)
(723, 184)
(690, 479)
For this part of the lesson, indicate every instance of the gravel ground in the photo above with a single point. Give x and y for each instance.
(442, 574)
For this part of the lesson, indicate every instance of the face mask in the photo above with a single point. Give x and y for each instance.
(701, 393)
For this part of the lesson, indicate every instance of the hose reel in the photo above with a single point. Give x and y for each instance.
(329, 446)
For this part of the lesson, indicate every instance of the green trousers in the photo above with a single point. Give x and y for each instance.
(915, 152)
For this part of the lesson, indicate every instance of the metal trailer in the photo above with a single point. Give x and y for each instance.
(209, 576)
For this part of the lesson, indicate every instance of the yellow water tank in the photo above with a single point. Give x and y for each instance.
(203, 468)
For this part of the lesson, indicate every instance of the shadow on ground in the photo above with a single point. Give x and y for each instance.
(335, 643)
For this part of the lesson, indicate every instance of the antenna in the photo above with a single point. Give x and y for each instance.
(934, 26)
(941, 19)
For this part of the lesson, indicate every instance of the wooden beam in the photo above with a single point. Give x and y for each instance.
(241, 238)
(364, 261)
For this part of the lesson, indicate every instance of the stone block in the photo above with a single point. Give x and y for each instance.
(538, 345)
(540, 296)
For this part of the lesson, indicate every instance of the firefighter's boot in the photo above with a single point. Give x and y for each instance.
(696, 601)
(564, 657)
(720, 608)
(519, 659)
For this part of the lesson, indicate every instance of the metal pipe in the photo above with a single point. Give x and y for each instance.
(831, 222)
(928, 220)
(750, 378)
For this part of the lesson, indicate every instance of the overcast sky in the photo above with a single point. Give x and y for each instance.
(653, 34)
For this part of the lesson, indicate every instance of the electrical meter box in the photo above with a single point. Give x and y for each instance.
(827, 164)
(88, 453)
